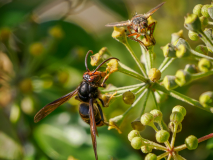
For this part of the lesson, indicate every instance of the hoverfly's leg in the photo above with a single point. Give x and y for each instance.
(138, 41)
(151, 27)
(102, 102)
(129, 29)
(133, 34)
(105, 78)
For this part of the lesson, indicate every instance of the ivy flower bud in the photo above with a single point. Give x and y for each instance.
(191, 68)
(148, 41)
(197, 9)
(137, 142)
(182, 51)
(169, 82)
(115, 122)
(179, 109)
(176, 36)
(193, 36)
(204, 10)
(112, 66)
(182, 77)
(204, 65)
(191, 142)
(169, 50)
(184, 42)
(206, 99)
(171, 126)
(202, 49)
(128, 97)
(157, 115)
(176, 117)
(99, 57)
(146, 149)
(119, 34)
(136, 124)
(56, 32)
(133, 134)
(192, 22)
(154, 74)
(204, 21)
(208, 33)
(151, 156)
(36, 49)
(147, 119)
(162, 136)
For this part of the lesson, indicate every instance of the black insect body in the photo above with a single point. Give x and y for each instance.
(88, 93)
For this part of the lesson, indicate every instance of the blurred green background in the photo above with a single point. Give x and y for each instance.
(42, 50)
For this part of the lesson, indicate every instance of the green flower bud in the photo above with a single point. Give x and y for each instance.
(176, 117)
(169, 82)
(210, 11)
(162, 136)
(180, 109)
(182, 51)
(193, 36)
(119, 34)
(137, 142)
(204, 65)
(169, 50)
(204, 10)
(184, 42)
(136, 125)
(147, 119)
(206, 99)
(192, 22)
(204, 21)
(191, 142)
(157, 115)
(176, 36)
(191, 68)
(99, 57)
(154, 74)
(171, 126)
(128, 97)
(56, 32)
(197, 9)
(182, 77)
(133, 134)
(146, 149)
(151, 156)
(202, 49)
(36, 49)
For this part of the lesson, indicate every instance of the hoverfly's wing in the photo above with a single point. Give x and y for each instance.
(153, 10)
(122, 23)
(53, 105)
(93, 128)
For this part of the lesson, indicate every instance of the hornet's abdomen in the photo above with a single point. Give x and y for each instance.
(84, 113)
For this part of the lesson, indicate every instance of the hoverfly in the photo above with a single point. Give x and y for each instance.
(87, 93)
(139, 24)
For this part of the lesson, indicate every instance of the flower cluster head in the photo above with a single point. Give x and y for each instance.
(155, 119)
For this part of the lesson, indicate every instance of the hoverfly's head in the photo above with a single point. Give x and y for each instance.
(143, 23)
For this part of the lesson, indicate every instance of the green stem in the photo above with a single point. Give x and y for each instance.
(174, 135)
(210, 23)
(200, 54)
(149, 57)
(155, 100)
(183, 146)
(166, 62)
(162, 155)
(123, 89)
(200, 75)
(143, 90)
(154, 145)
(140, 65)
(169, 157)
(180, 96)
(144, 102)
(128, 71)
